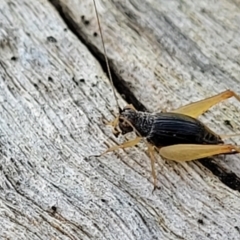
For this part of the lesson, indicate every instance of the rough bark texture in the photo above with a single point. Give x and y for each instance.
(54, 96)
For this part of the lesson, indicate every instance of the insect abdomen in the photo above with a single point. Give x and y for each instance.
(173, 128)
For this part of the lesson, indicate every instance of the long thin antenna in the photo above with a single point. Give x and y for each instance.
(105, 55)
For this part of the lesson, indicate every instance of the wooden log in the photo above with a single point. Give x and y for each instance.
(54, 96)
(168, 54)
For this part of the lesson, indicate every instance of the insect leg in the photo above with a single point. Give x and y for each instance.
(197, 108)
(113, 123)
(188, 152)
(130, 106)
(153, 160)
(130, 143)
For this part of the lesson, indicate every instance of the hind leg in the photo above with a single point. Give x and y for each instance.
(197, 108)
(189, 152)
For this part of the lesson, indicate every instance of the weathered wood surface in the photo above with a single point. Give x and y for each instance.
(54, 96)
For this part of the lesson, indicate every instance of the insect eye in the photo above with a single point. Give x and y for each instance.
(121, 120)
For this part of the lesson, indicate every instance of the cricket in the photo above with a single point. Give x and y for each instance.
(177, 135)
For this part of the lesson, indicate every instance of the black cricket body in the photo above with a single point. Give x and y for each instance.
(164, 129)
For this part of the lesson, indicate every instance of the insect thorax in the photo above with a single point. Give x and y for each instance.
(141, 122)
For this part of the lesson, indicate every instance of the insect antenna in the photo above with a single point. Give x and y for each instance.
(105, 56)
(114, 123)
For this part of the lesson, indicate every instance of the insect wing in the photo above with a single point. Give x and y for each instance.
(172, 128)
